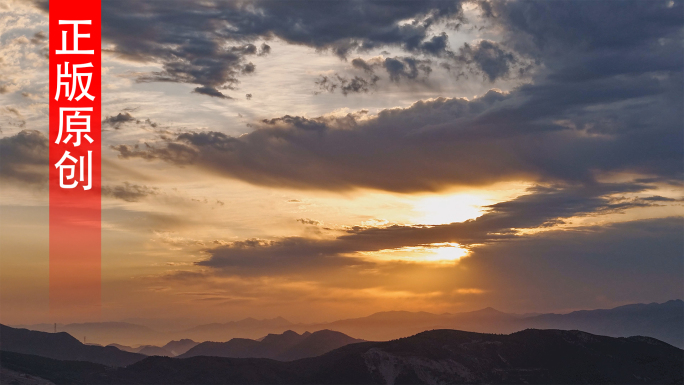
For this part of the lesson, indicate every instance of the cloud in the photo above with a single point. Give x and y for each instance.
(39, 37)
(206, 43)
(406, 68)
(599, 103)
(24, 158)
(117, 120)
(128, 192)
(211, 91)
(541, 207)
(487, 57)
(564, 133)
(356, 84)
(635, 261)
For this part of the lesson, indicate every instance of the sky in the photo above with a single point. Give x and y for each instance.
(319, 160)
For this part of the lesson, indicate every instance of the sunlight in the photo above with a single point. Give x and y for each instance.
(437, 210)
(434, 253)
(446, 252)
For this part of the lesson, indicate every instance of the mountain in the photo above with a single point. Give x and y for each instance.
(171, 349)
(396, 324)
(437, 356)
(151, 350)
(284, 347)
(661, 321)
(246, 328)
(179, 347)
(62, 346)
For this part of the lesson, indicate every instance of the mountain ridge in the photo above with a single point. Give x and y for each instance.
(437, 356)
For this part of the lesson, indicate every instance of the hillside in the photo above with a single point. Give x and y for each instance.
(62, 346)
(437, 356)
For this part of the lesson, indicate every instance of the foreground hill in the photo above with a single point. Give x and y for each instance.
(287, 346)
(62, 346)
(438, 356)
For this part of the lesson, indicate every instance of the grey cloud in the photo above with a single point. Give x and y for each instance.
(538, 132)
(487, 57)
(128, 192)
(176, 153)
(24, 158)
(604, 102)
(397, 68)
(308, 221)
(39, 37)
(192, 40)
(406, 67)
(356, 84)
(634, 261)
(289, 256)
(581, 41)
(211, 91)
(117, 120)
(542, 207)
(265, 49)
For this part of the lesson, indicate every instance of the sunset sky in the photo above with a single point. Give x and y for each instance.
(319, 160)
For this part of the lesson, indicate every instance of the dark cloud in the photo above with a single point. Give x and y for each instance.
(288, 256)
(356, 84)
(406, 68)
(24, 158)
(397, 69)
(580, 41)
(206, 43)
(635, 261)
(265, 49)
(128, 192)
(542, 207)
(308, 221)
(117, 120)
(211, 91)
(601, 102)
(39, 37)
(548, 132)
(487, 57)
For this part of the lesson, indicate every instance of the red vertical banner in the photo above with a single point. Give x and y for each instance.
(75, 159)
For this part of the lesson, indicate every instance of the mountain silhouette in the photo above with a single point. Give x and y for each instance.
(62, 346)
(661, 321)
(438, 356)
(285, 347)
(664, 321)
(171, 349)
(179, 347)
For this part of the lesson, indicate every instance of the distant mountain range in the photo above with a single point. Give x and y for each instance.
(661, 321)
(431, 357)
(62, 346)
(171, 349)
(284, 347)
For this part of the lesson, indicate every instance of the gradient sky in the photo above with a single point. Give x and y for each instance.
(319, 160)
